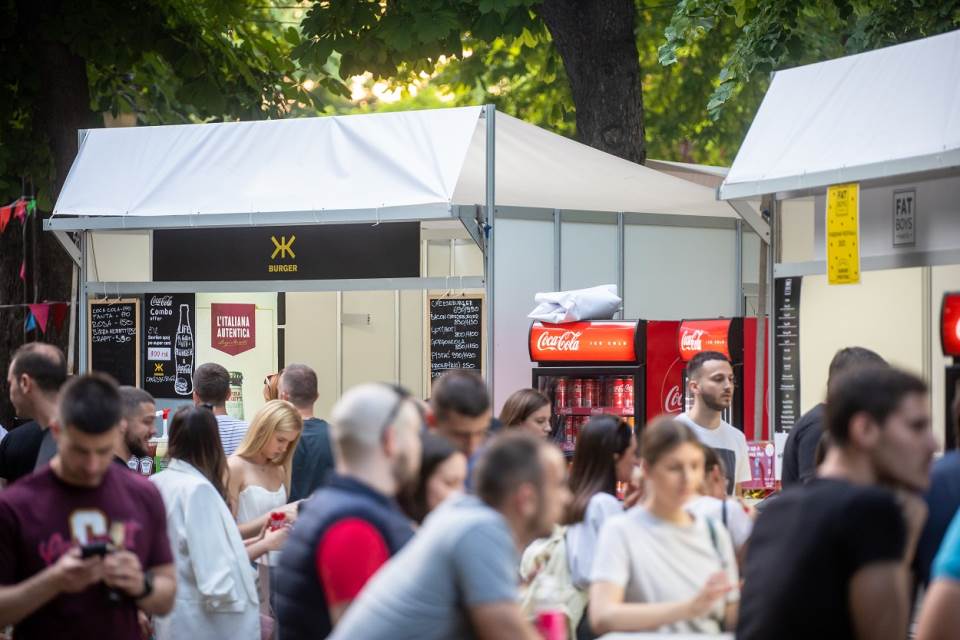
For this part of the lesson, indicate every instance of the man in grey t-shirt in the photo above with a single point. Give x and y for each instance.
(458, 577)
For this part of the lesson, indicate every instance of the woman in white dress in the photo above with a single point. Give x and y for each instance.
(259, 478)
(216, 594)
(658, 567)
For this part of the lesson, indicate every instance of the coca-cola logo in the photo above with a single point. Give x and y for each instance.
(566, 341)
(673, 402)
(692, 340)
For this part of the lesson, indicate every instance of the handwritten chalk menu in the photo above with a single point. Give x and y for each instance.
(114, 339)
(787, 353)
(456, 334)
(168, 359)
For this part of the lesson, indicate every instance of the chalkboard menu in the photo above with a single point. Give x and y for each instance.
(787, 353)
(168, 360)
(456, 334)
(114, 339)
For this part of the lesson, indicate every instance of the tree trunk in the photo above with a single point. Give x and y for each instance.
(597, 42)
(61, 107)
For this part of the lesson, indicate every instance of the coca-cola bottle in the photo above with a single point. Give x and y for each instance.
(183, 354)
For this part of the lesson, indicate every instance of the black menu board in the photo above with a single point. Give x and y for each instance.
(456, 334)
(114, 339)
(168, 359)
(787, 353)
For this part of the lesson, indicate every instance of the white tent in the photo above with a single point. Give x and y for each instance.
(433, 165)
(884, 113)
(407, 165)
(888, 120)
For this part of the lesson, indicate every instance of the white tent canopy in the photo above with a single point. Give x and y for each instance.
(889, 112)
(391, 166)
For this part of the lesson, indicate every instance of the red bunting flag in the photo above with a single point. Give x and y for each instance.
(59, 314)
(40, 311)
(5, 213)
(23, 270)
(20, 213)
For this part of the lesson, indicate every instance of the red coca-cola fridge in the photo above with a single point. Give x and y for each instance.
(627, 368)
(736, 339)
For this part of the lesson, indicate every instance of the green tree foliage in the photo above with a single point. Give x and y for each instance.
(523, 75)
(166, 61)
(780, 33)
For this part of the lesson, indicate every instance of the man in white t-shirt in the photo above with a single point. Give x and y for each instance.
(711, 382)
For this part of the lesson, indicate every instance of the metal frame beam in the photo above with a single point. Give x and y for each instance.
(108, 289)
(873, 263)
(71, 247)
(904, 169)
(752, 217)
(437, 211)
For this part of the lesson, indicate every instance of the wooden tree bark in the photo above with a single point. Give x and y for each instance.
(596, 40)
(62, 106)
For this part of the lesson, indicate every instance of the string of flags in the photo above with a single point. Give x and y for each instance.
(19, 209)
(39, 315)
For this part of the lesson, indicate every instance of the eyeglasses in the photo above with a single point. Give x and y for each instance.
(269, 379)
(402, 396)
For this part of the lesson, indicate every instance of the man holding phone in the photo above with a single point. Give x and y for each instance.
(83, 543)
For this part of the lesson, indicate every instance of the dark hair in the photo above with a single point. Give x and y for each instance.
(44, 363)
(131, 398)
(662, 436)
(701, 359)
(711, 460)
(460, 391)
(594, 470)
(521, 405)
(195, 439)
(509, 460)
(211, 381)
(877, 391)
(436, 451)
(90, 403)
(300, 383)
(850, 358)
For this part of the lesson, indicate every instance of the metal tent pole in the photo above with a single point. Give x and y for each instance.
(489, 112)
(81, 302)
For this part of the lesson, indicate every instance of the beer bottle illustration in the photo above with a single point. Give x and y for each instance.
(183, 354)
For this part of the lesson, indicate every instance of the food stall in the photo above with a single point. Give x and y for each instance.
(357, 244)
(873, 140)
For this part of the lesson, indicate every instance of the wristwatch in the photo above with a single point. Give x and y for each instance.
(147, 585)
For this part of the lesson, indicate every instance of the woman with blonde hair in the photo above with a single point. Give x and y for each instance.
(259, 471)
(259, 479)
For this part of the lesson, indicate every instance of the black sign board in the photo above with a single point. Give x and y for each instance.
(114, 339)
(168, 360)
(316, 252)
(456, 334)
(787, 353)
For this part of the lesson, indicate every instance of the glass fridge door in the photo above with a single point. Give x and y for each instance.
(575, 398)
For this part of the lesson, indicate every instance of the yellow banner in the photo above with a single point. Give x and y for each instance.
(843, 233)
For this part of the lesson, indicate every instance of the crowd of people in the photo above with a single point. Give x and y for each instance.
(409, 518)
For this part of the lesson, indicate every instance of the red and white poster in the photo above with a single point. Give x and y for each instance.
(233, 327)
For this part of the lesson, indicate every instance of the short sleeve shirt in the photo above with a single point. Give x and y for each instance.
(232, 432)
(463, 556)
(947, 563)
(312, 461)
(42, 517)
(806, 546)
(656, 561)
(730, 444)
(19, 449)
